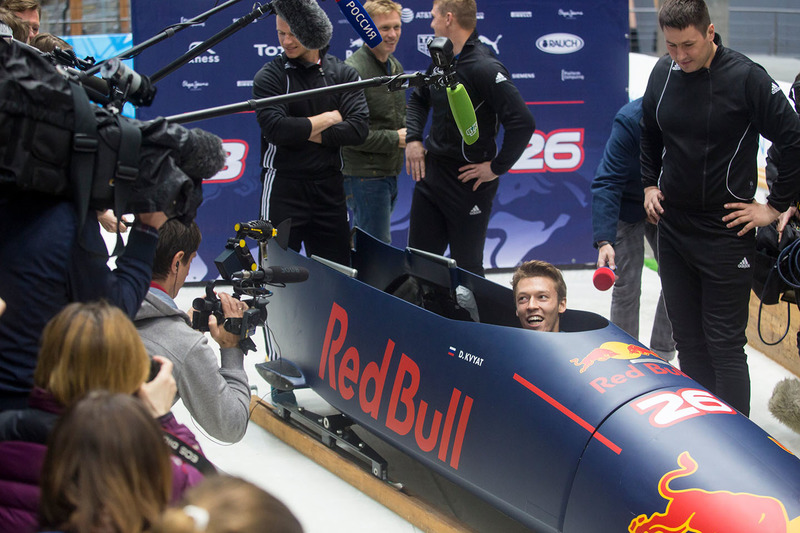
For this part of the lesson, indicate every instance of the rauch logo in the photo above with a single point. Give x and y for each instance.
(559, 43)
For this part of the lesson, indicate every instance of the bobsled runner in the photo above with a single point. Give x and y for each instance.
(580, 431)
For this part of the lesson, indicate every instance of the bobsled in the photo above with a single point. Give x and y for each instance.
(584, 430)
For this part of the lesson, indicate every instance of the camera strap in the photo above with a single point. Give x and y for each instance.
(84, 149)
(189, 455)
(127, 170)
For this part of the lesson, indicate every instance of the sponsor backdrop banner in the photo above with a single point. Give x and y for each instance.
(569, 59)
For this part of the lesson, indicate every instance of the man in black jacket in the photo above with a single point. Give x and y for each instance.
(301, 145)
(455, 182)
(703, 110)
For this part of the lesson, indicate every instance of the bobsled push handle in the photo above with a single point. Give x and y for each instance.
(430, 268)
(346, 270)
(446, 261)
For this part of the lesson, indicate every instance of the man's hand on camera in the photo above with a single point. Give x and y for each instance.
(158, 394)
(110, 223)
(231, 308)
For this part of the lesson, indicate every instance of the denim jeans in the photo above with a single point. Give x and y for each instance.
(629, 257)
(372, 201)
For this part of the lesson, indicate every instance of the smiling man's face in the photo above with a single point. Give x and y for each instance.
(538, 306)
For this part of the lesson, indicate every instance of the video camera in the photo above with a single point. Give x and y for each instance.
(237, 265)
(55, 141)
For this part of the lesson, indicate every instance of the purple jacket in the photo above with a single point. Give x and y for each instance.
(23, 437)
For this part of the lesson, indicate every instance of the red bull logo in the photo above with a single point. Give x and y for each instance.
(611, 350)
(700, 511)
(407, 411)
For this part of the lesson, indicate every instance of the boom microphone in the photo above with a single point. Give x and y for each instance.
(276, 274)
(463, 113)
(308, 22)
(441, 50)
(785, 403)
(360, 20)
(203, 155)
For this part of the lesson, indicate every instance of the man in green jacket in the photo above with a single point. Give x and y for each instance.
(371, 169)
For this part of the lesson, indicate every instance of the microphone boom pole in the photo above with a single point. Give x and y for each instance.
(214, 39)
(393, 83)
(169, 32)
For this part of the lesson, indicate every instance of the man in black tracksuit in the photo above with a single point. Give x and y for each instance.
(455, 182)
(301, 146)
(703, 110)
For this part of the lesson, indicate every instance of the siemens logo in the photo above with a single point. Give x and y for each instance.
(559, 43)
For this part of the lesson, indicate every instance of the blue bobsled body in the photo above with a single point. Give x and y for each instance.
(578, 431)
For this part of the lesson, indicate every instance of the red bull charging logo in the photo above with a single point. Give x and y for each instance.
(700, 511)
(611, 350)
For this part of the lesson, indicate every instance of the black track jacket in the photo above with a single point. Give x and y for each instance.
(284, 129)
(496, 101)
(706, 124)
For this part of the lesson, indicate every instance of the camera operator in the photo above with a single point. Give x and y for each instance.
(48, 260)
(217, 397)
(28, 11)
(20, 30)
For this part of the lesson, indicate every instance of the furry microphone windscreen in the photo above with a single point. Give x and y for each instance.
(785, 403)
(203, 156)
(308, 22)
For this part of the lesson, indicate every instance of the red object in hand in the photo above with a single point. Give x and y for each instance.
(603, 278)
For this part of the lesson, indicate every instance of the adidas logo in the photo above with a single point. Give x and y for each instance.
(744, 263)
(476, 211)
(775, 88)
(500, 78)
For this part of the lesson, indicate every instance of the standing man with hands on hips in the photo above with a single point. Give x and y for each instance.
(455, 182)
(703, 110)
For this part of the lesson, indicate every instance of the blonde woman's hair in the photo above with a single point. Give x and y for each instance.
(90, 346)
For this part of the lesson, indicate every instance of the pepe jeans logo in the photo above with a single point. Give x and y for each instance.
(569, 14)
(559, 43)
(194, 85)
